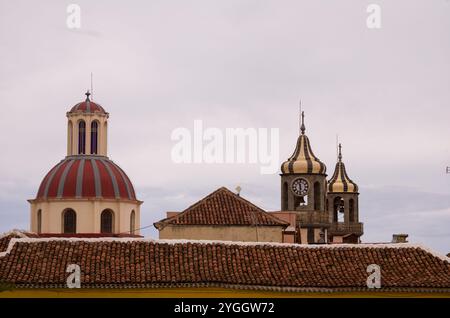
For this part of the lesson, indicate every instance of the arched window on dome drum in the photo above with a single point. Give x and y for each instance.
(106, 222)
(69, 222)
(132, 222)
(284, 203)
(39, 221)
(317, 196)
(81, 137)
(94, 137)
(351, 214)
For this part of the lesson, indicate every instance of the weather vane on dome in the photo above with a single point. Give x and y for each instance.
(340, 153)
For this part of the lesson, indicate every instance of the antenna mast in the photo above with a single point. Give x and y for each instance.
(92, 85)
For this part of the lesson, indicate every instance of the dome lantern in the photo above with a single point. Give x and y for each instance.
(87, 129)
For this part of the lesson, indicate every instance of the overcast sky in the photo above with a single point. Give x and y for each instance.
(159, 65)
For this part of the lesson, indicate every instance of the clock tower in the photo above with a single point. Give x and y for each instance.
(304, 191)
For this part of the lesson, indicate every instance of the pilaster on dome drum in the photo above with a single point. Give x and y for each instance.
(340, 182)
(303, 159)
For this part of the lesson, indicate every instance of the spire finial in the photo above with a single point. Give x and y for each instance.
(302, 127)
(340, 152)
(302, 120)
(87, 95)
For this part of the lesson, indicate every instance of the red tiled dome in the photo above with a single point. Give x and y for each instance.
(87, 106)
(86, 177)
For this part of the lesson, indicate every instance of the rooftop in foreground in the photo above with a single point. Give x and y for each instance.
(38, 263)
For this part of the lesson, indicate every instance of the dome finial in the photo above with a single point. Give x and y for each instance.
(87, 95)
(302, 127)
(340, 152)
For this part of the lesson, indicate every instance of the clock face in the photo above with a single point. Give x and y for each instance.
(300, 187)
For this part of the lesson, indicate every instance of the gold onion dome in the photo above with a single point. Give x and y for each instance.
(340, 182)
(303, 159)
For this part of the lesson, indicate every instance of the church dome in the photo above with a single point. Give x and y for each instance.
(86, 176)
(340, 182)
(87, 106)
(303, 159)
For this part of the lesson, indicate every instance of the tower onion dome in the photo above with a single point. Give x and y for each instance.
(303, 159)
(340, 182)
(87, 106)
(85, 176)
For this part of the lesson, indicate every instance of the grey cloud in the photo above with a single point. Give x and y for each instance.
(159, 65)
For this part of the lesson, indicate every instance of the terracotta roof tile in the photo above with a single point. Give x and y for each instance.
(223, 207)
(5, 238)
(4, 241)
(136, 263)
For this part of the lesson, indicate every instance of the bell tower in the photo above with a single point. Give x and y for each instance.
(343, 206)
(303, 191)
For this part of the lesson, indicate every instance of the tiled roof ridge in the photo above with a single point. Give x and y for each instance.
(177, 216)
(14, 232)
(226, 191)
(230, 243)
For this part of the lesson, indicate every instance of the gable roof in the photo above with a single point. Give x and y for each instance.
(223, 207)
(140, 263)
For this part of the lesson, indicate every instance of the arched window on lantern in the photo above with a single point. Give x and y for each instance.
(69, 222)
(81, 137)
(107, 222)
(94, 137)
